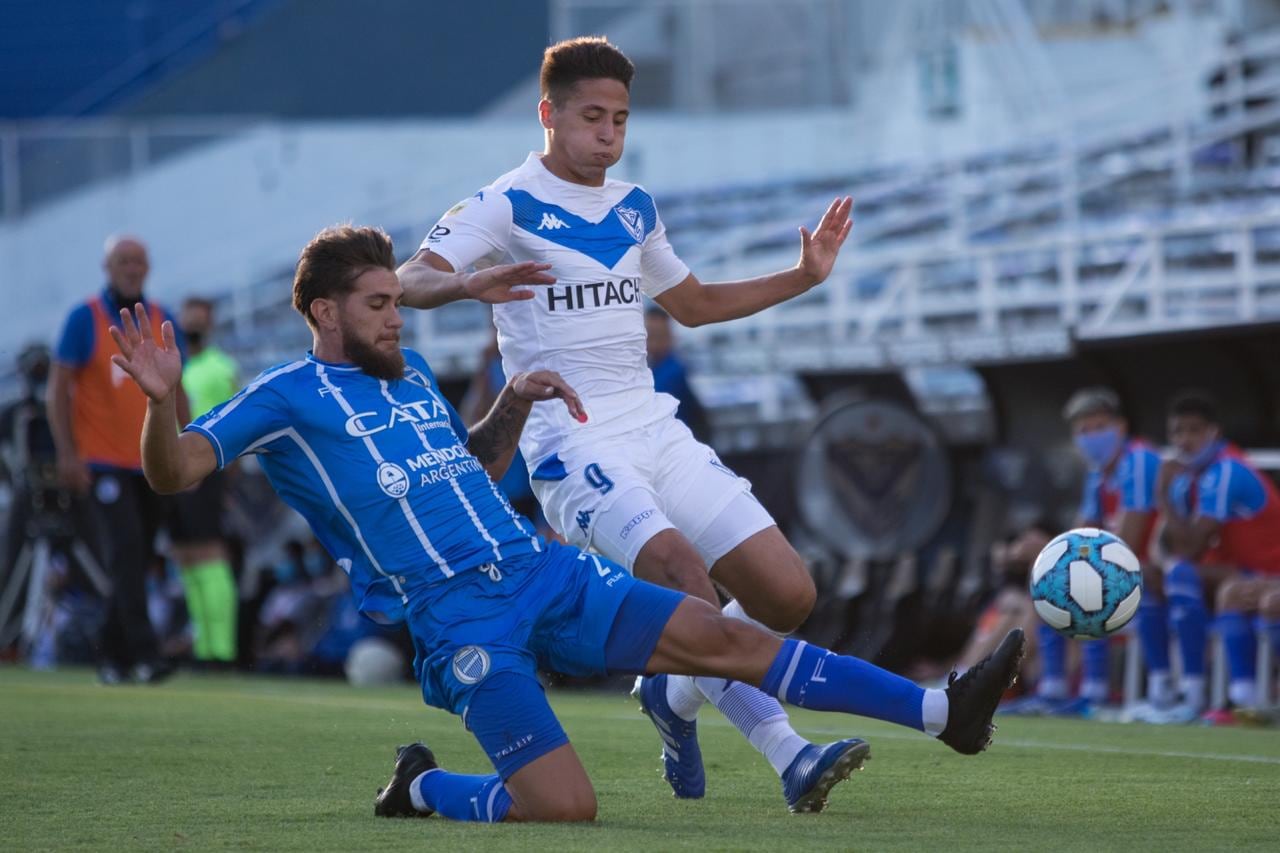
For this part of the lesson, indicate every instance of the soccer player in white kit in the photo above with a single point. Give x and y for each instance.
(566, 256)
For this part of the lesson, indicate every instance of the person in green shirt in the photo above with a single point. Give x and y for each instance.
(209, 377)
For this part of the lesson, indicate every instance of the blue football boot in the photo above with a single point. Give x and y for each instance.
(817, 769)
(681, 755)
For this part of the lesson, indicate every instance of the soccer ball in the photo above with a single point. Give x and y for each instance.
(1086, 583)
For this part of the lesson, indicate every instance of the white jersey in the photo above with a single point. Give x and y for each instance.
(606, 246)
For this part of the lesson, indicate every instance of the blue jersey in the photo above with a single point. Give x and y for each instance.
(1131, 486)
(379, 469)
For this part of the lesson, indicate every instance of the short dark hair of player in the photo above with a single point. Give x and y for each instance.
(584, 58)
(201, 302)
(1196, 403)
(330, 264)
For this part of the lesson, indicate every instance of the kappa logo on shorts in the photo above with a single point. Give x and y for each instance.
(470, 664)
(584, 521)
(393, 480)
(636, 521)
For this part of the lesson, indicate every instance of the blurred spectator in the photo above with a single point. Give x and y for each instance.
(670, 376)
(196, 519)
(487, 382)
(1011, 605)
(1119, 496)
(1221, 535)
(309, 622)
(96, 415)
(43, 540)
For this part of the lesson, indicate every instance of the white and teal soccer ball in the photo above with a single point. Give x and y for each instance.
(1086, 583)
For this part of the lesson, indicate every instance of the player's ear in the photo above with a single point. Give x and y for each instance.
(545, 109)
(325, 313)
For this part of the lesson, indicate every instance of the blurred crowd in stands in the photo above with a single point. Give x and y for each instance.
(99, 570)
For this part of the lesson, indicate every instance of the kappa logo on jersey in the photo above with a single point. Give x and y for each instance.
(550, 222)
(584, 521)
(423, 412)
(393, 480)
(633, 221)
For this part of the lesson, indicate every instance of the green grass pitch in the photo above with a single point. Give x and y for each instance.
(235, 763)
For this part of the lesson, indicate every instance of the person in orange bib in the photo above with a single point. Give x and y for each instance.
(96, 414)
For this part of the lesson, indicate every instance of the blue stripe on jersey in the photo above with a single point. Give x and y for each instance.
(626, 225)
(380, 471)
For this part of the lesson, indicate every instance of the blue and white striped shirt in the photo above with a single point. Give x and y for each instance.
(380, 470)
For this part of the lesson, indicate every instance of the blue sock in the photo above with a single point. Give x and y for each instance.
(1188, 615)
(812, 677)
(457, 796)
(1096, 665)
(1153, 633)
(1241, 644)
(1053, 664)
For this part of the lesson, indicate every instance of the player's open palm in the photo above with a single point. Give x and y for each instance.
(818, 251)
(495, 284)
(155, 366)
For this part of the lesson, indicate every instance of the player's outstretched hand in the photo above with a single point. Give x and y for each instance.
(494, 284)
(156, 367)
(548, 385)
(818, 250)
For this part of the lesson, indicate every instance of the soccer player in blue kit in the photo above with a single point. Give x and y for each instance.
(357, 437)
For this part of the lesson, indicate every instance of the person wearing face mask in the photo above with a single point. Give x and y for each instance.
(1118, 496)
(1222, 535)
(96, 415)
(195, 524)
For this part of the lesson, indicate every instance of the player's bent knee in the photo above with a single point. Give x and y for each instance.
(577, 807)
(1235, 594)
(1269, 604)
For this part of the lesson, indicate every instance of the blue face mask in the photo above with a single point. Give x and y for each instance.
(1099, 446)
(1199, 459)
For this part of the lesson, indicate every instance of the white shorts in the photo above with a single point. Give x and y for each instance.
(616, 494)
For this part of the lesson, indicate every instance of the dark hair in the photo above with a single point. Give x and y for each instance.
(583, 58)
(1194, 402)
(1091, 401)
(330, 264)
(200, 302)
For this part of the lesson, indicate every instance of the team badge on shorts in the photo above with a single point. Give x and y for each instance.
(470, 664)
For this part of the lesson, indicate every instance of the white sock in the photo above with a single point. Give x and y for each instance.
(1241, 692)
(684, 698)
(1159, 688)
(934, 710)
(1052, 688)
(1095, 691)
(1193, 690)
(757, 715)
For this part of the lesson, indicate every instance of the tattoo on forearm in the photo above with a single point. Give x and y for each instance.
(499, 432)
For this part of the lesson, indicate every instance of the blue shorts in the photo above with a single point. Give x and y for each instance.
(554, 610)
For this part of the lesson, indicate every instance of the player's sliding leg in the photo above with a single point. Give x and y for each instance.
(698, 639)
(672, 702)
(538, 780)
